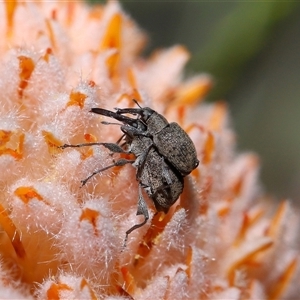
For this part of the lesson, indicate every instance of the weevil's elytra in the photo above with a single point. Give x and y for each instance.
(174, 144)
(164, 154)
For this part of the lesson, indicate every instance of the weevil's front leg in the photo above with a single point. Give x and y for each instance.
(111, 146)
(111, 114)
(132, 111)
(133, 131)
(142, 210)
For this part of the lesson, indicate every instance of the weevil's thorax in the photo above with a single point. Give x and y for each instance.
(155, 121)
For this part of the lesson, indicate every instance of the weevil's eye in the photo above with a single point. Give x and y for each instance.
(146, 113)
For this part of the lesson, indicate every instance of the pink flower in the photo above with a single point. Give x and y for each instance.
(221, 240)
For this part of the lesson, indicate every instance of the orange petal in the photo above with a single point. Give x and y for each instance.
(206, 189)
(10, 11)
(129, 281)
(47, 54)
(112, 37)
(279, 287)
(245, 254)
(91, 216)
(54, 290)
(84, 284)
(77, 98)
(277, 220)
(26, 194)
(26, 66)
(209, 148)
(51, 33)
(90, 138)
(131, 78)
(158, 223)
(189, 259)
(218, 115)
(192, 91)
(52, 142)
(249, 218)
(12, 232)
(4, 137)
(112, 40)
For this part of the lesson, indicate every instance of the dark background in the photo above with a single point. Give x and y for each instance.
(252, 49)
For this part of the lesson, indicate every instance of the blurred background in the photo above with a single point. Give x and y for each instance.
(252, 49)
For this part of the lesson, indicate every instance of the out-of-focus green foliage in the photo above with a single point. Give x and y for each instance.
(236, 39)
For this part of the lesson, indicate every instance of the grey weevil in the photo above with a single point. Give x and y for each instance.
(170, 140)
(161, 180)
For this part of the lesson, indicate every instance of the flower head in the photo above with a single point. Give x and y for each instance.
(221, 239)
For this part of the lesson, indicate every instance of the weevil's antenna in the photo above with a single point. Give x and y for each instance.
(135, 101)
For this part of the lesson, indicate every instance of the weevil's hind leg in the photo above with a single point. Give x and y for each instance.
(142, 210)
(119, 163)
(110, 146)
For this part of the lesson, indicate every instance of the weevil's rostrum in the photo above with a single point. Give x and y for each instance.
(164, 155)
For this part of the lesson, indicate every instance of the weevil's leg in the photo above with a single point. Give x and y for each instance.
(130, 110)
(111, 146)
(140, 162)
(114, 115)
(165, 172)
(120, 139)
(142, 210)
(133, 131)
(119, 163)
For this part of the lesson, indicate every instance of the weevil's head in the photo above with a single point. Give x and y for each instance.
(146, 113)
(155, 122)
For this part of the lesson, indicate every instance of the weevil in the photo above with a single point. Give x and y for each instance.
(170, 140)
(161, 180)
(160, 175)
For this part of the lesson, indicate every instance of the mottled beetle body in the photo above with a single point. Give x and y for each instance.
(162, 182)
(171, 141)
(164, 154)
